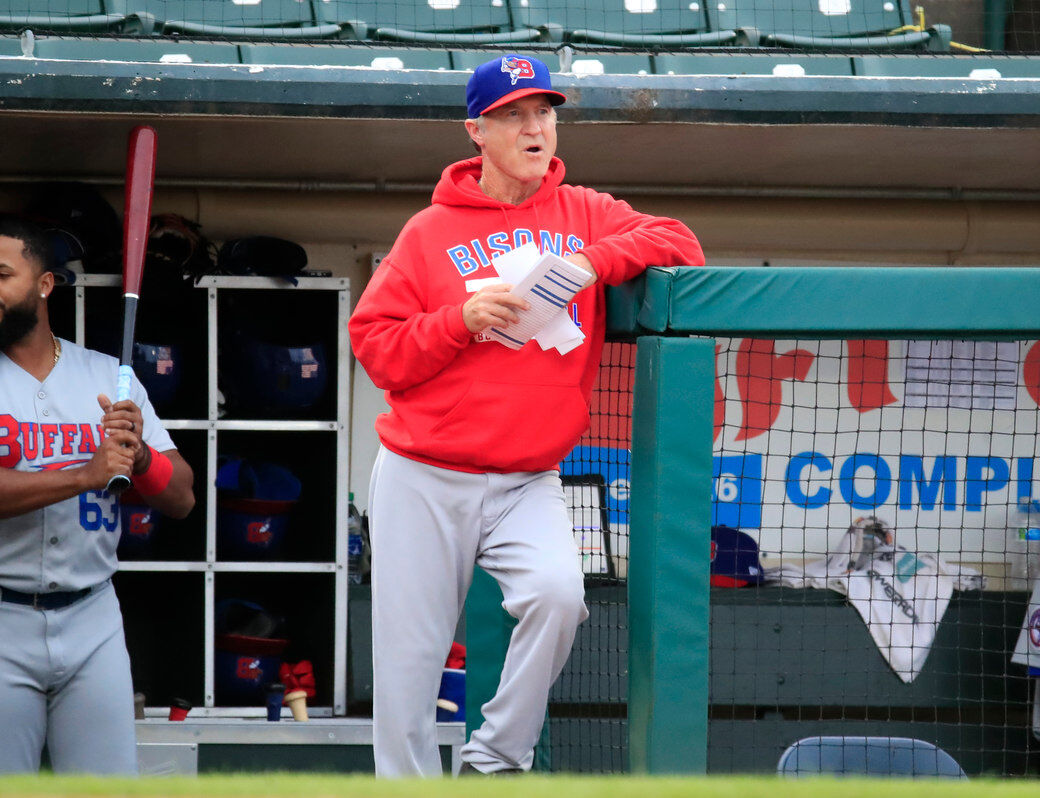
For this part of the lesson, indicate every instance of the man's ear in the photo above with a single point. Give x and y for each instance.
(46, 284)
(475, 133)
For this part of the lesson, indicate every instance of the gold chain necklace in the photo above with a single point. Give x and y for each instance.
(57, 348)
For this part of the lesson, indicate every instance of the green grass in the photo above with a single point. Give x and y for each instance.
(307, 786)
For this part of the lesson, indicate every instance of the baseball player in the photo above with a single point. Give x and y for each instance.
(64, 669)
(467, 470)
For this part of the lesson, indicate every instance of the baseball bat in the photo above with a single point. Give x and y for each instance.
(137, 213)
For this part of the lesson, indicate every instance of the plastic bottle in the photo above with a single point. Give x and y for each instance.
(1024, 548)
(354, 543)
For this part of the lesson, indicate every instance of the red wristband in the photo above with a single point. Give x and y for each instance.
(156, 477)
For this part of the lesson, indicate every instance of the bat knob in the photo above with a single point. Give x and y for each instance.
(118, 484)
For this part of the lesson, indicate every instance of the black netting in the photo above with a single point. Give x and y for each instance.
(882, 584)
(587, 729)
(881, 590)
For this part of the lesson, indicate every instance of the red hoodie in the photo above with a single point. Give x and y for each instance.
(475, 405)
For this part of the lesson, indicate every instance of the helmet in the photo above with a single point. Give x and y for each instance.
(263, 255)
(254, 504)
(273, 378)
(139, 525)
(158, 367)
(178, 252)
(158, 362)
(248, 652)
(81, 212)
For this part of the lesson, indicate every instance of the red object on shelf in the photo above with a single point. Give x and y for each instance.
(298, 676)
(179, 709)
(456, 657)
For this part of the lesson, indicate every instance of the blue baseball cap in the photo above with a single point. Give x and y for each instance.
(734, 558)
(506, 79)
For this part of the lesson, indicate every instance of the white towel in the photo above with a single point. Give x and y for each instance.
(901, 595)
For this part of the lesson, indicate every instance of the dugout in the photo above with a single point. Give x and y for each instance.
(817, 169)
(782, 663)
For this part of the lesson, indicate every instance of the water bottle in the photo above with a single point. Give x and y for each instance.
(355, 546)
(1024, 546)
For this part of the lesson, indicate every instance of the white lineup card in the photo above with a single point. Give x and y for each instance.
(548, 288)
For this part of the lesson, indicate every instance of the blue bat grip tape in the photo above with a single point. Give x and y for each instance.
(126, 374)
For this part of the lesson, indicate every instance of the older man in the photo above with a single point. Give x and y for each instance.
(64, 670)
(467, 471)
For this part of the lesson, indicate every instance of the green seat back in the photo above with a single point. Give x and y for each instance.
(10, 45)
(226, 13)
(824, 18)
(615, 22)
(443, 20)
(345, 55)
(228, 19)
(138, 50)
(57, 8)
(593, 63)
(62, 16)
(753, 64)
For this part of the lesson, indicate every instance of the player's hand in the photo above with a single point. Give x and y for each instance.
(581, 261)
(492, 306)
(113, 456)
(125, 416)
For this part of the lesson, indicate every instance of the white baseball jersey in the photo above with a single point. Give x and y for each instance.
(56, 424)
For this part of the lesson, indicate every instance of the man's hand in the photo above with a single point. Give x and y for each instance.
(114, 456)
(492, 306)
(580, 260)
(126, 416)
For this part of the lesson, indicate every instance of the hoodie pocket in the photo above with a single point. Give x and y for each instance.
(510, 426)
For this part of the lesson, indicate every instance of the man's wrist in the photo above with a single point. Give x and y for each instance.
(156, 477)
(144, 461)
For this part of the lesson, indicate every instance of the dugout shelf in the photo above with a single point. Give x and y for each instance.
(320, 744)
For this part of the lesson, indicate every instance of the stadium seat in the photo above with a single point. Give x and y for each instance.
(785, 65)
(946, 66)
(902, 757)
(72, 16)
(626, 23)
(262, 19)
(344, 55)
(136, 50)
(583, 63)
(467, 22)
(827, 24)
(10, 46)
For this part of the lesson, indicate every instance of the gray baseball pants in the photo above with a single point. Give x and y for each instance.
(65, 679)
(429, 526)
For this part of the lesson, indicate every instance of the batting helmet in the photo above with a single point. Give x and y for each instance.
(159, 368)
(254, 504)
(248, 652)
(158, 361)
(262, 255)
(80, 211)
(275, 378)
(139, 525)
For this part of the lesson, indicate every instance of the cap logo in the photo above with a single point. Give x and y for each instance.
(517, 68)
